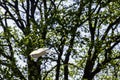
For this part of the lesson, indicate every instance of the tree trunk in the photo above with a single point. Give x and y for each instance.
(88, 70)
(58, 66)
(33, 70)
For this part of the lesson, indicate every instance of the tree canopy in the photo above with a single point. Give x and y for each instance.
(83, 35)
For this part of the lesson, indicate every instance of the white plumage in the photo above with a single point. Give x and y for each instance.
(39, 52)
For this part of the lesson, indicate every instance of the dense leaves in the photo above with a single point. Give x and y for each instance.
(83, 35)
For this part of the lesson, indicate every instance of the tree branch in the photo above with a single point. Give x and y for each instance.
(110, 27)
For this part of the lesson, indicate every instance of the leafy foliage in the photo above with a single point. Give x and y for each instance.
(84, 37)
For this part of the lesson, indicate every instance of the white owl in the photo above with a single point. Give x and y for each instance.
(39, 52)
